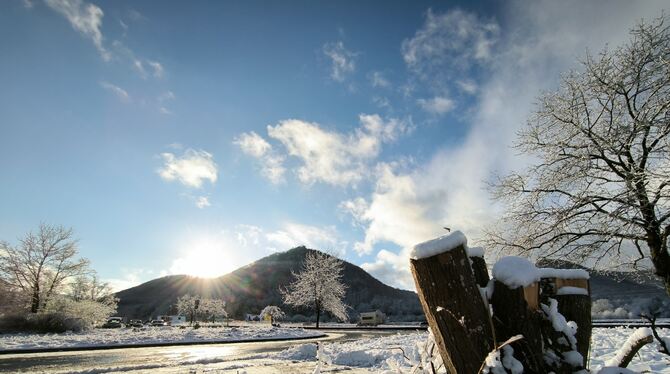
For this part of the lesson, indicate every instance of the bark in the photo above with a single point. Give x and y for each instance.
(455, 310)
(513, 316)
(480, 270)
(577, 308)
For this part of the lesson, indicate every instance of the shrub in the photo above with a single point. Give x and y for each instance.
(41, 323)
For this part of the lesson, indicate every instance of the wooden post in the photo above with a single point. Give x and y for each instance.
(577, 307)
(512, 315)
(480, 271)
(454, 308)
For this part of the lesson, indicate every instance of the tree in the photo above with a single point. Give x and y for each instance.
(599, 186)
(273, 312)
(196, 307)
(188, 305)
(211, 309)
(318, 286)
(41, 263)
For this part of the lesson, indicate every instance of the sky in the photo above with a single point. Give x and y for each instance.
(196, 137)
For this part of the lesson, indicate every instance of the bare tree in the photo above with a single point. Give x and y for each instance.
(599, 185)
(41, 263)
(318, 286)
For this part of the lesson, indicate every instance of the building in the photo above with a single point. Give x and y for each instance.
(372, 318)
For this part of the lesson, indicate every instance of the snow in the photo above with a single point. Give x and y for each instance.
(515, 272)
(563, 273)
(148, 335)
(439, 245)
(384, 354)
(639, 334)
(476, 252)
(566, 290)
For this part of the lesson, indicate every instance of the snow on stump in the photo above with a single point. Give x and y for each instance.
(515, 303)
(570, 287)
(452, 302)
(478, 263)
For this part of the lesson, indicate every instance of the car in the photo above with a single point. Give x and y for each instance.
(135, 323)
(158, 322)
(113, 323)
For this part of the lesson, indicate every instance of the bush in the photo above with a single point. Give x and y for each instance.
(41, 323)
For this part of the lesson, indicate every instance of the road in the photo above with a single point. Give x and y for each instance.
(224, 358)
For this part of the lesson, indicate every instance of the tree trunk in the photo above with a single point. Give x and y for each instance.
(318, 314)
(624, 358)
(454, 308)
(35, 302)
(480, 270)
(513, 316)
(578, 308)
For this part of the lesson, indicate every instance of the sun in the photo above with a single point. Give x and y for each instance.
(205, 257)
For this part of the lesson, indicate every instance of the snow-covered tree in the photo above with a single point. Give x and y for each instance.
(599, 185)
(318, 286)
(90, 312)
(196, 307)
(273, 312)
(212, 309)
(41, 264)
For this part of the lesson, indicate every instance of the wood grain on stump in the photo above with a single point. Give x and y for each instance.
(455, 309)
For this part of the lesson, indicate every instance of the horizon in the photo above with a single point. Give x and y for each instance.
(198, 139)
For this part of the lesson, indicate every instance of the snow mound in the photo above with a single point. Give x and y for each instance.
(515, 272)
(439, 245)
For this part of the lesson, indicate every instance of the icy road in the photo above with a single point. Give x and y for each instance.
(219, 358)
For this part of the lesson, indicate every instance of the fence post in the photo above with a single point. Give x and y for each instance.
(451, 299)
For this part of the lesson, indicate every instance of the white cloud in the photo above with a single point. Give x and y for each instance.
(130, 277)
(332, 157)
(377, 79)
(28, 4)
(437, 105)
(342, 60)
(450, 190)
(454, 41)
(292, 235)
(288, 236)
(191, 169)
(254, 145)
(468, 86)
(202, 202)
(162, 99)
(85, 18)
(158, 70)
(116, 90)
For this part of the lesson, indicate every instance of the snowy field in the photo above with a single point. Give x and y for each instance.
(388, 353)
(148, 335)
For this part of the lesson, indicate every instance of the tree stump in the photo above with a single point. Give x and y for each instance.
(578, 308)
(513, 316)
(454, 308)
(480, 270)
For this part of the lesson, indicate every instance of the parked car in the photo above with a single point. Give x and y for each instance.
(158, 322)
(113, 323)
(135, 323)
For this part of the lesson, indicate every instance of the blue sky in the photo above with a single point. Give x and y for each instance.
(197, 137)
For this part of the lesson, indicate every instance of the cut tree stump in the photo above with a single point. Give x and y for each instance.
(454, 308)
(480, 270)
(578, 308)
(512, 316)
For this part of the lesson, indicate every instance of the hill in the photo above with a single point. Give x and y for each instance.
(250, 288)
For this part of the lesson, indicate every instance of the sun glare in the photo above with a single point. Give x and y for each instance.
(206, 258)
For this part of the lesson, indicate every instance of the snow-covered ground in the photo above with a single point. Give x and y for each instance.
(148, 335)
(403, 351)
